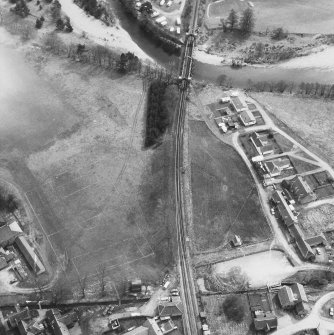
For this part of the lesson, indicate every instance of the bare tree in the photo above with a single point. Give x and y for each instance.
(83, 285)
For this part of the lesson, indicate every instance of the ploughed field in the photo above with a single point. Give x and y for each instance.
(297, 16)
(225, 199)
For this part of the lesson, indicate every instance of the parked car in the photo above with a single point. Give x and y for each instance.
(331, 311)
(318, 251)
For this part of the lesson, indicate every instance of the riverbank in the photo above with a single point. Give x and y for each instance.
(114, 37)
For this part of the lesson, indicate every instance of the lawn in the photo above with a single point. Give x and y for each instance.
(309, 121)
(218, 323)
(225, 199)
(297, 16)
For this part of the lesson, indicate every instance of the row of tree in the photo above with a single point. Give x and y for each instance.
(161, 103)
(305, 89)
(245, 24)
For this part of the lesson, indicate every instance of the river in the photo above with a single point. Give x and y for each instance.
(313, 68)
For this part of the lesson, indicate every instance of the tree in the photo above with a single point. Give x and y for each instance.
(233, 19)
(247, 21)
(60, 24)
(21, 8)
(234, 309)
(101, 276)
(146, 7)
(38, 24)
(67, 25)
(278, 34)
(82, 285)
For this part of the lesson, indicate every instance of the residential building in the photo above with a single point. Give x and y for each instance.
(22, 315)
(299, 292)
(283, 208)
(265, 321)
(247, 118)
(302, 190)
(303, 247)
(30, 255)
(261, 144)
(286, 297)
(170, 309)
(238, 105)
(276, 166)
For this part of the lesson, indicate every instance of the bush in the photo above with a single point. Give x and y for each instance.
(233, 308)
(279, 34)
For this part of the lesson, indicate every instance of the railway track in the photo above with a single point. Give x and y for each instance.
(190, 316)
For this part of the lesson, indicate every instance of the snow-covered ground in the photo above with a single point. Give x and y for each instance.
(114, 37)
(204, 57)
(262, 268)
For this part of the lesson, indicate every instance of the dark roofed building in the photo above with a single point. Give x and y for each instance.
(29, 254)
(247, 118)
(265, 322)
(302, 190)
(317, 240)
(57, 328)
(283, 208)
(238, 105)
(170, 309)
(15, 318)
(261, 144)
(286, 297)
(303, 247)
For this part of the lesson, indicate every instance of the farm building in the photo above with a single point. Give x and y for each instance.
(29, 254)
(302, 190)
(170, 309)
(225, 98)
(261, 144)
(283, 208)
(7, 236)
(303, 247)
(247, 118)
(14, 319)
(265, 321)
(276, 166)
(317, 240)
(238, 105)
(293, 296)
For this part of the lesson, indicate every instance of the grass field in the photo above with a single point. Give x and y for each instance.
(225, 200)
(297, 16)
(75, 149)
(218, 323)
(310, 121)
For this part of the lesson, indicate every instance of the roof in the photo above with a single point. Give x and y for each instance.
(299, 292)
(266, 322)
(317, 240)
(167, 327)
(237, 103)
(138, 331)
(225, 95)
(58, 328)
(29, 254)
(14, 226)
(272, 167)
(302, 245)
(170, 309)
(285, 296)
(283, 208)
(300, 186)
(247, 117)
(6, 234)
(15, 318)
(153, 327)
(301, 307)
(3, 263)
(266, 148)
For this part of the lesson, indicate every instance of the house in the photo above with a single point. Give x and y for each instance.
(57, 327)
(276, 166)
(302, 190)
(7, 236)
(167, 327)
(303, 247)
(283, 208)
(138, 331)
(153, 327)
(238, 105)
(247, 118)
(22, 315)
(317, 240)
(261, 144)
(225, 98)
(265, 321)
(299, 292)
(286, 297)
(29, 254)
(170, 309)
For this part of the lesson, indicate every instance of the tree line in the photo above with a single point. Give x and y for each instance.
(161, 103)
(245, 24)
(159, 36)
(315, 90)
